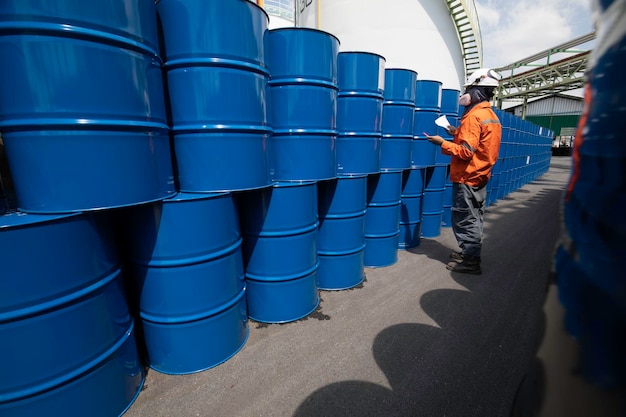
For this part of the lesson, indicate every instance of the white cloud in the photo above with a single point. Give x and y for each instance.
(516, 29)
(488, 15)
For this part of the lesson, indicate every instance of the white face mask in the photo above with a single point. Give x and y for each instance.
(465, 100)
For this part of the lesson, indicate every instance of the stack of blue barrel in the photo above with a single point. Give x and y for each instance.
(382, 220)
(85, 131)
(428, 100)
(525, 152)
(450, 109)
(237, 171)
(342, 201)
(280, 223)
(185, 254)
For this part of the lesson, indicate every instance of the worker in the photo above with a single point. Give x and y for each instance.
(474, 150)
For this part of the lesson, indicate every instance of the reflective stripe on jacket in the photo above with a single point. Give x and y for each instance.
(475, 146)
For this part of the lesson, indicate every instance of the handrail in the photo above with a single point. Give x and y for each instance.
(465, 18)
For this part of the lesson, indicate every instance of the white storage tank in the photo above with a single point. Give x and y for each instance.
(419, 35)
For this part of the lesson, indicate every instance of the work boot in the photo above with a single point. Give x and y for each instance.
(469, 265)
(457, 256)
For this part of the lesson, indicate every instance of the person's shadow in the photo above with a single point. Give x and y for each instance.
(454, 368)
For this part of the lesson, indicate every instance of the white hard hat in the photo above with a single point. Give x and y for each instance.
(485, 77)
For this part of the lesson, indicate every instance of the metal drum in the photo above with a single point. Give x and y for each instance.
(411, 207)
(342, 204)
(382, 219)
(432, 205)
(423, 153)
(279, 227)
(90, 131)
(67, 335)
(397, 127)
(217, 80)
(361, 82)
(428, 95)
(303, 88)
(186, 271)
(440, 158)
(448, 199)
(450, 102)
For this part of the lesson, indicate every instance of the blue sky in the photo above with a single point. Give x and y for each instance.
(515, 29)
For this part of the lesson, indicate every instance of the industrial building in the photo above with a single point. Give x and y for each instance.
(560, 113)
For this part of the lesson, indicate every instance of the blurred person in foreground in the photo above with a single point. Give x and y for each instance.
(474, 150)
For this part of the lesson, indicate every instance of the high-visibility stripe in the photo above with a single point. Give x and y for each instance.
(488, 121)
(468, 146)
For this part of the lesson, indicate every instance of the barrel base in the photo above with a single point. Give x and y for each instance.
(340, 272)
(381, 251)
(216, 162)
(395, 153)
(410, 235)
(108, 390)
(190, 347)
(282, 301)
(431, 224)
(302, 157)
(358, 155)
(69, 171)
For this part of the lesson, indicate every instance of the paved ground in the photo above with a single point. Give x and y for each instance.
(413, 340)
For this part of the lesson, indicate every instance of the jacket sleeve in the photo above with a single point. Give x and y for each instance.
(466, 139)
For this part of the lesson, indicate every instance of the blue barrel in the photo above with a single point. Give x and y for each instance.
(413, 181)
(397, 127)
(303, 88)
(279, 227)
(186, 271)
(450, 102)
(342, 204)
(428, 95)
(382, 219)
(217, 79)
(67, 335)
(423, 153)
(432, 204)
(448, 200)
(361, 78)
(440, 158)
(90, 131)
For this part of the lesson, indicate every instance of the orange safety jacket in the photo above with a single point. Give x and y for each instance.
(475, 146)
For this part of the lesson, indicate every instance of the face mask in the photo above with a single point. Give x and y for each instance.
(465, 100)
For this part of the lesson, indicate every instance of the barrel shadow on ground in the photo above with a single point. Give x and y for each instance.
(433, 249)
(473, 362)
(450, 369)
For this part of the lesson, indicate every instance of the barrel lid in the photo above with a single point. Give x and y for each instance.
(21, 219)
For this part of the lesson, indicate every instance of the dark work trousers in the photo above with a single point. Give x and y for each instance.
(467, 217)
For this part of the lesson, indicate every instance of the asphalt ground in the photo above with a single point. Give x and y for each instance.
(413, 340)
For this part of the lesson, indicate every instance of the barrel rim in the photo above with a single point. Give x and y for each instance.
(303, 29)
(70, 31)
(190, 196)
(400, 69)
(267, 17)
(430, 81)
(21, 219)
(363, 53)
